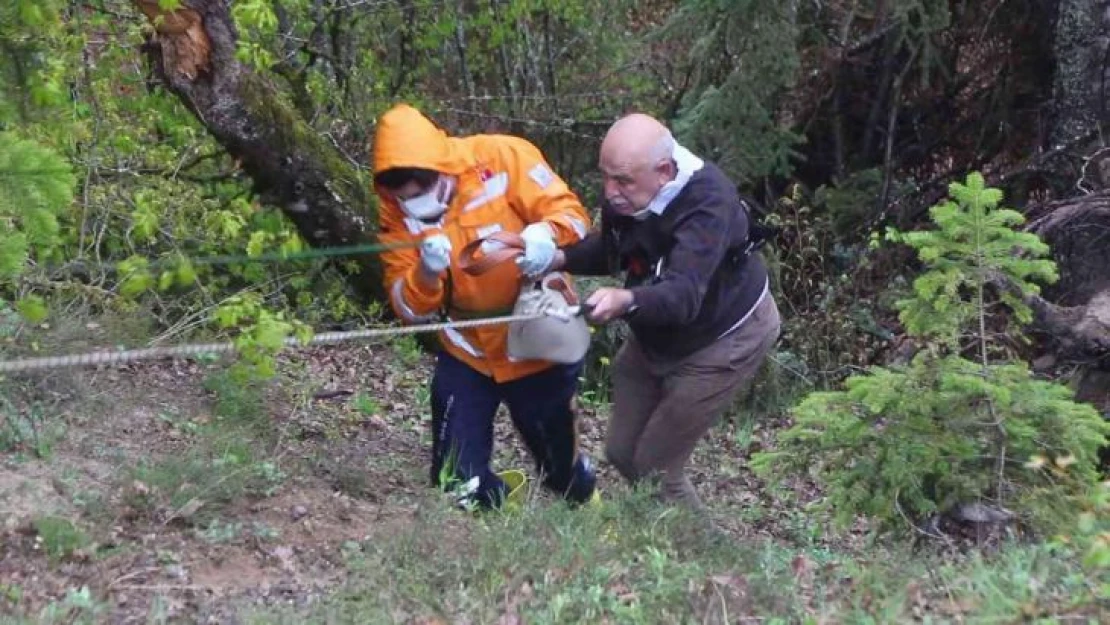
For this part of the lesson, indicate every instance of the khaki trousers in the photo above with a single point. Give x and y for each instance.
(661, 409)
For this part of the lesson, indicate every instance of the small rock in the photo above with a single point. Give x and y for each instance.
(176, 571)
(976, 512)
(299, 512)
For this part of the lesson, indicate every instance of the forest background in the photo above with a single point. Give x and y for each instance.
(938, 175)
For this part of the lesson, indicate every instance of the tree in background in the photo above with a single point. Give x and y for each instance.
(244, 127)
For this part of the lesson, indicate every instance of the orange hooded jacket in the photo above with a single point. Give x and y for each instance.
(504, 183)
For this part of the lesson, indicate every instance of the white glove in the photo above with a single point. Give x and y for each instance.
(435, 253)
(539, 249)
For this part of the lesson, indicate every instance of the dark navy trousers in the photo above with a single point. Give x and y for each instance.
(464, 403)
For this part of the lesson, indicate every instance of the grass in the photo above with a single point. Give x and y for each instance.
(31, 431)
(628, 561)
(59, 537)
(228, 459)
(632, 561)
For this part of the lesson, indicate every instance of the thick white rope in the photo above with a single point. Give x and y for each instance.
(116, 357)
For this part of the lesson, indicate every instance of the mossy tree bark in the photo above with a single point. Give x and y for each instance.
(292, 167)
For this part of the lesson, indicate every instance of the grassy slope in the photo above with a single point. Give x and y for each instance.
(133, 452)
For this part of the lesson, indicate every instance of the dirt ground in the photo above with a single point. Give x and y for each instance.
(349, 440)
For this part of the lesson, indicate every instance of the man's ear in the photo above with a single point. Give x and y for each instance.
(667, 169)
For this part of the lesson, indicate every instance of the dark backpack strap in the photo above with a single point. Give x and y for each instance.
(759, 231)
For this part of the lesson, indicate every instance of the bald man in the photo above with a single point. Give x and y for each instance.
(695, 296)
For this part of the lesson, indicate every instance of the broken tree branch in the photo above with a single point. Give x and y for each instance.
(292, 166)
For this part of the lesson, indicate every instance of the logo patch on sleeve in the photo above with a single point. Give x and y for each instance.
(541, 175)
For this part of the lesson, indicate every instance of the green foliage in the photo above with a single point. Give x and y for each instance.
(901, 443)
(31, 83)
(59, 536)
(36, 187)
(743, 57)
(923, 439)
(255, 20)
(974, 246)
(262, 333)
(1090, 535)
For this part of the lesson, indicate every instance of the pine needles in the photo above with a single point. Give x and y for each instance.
(36, 186)
(900, 444)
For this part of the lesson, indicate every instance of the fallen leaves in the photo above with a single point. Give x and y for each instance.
(623, 593)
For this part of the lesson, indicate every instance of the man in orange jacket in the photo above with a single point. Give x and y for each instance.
(446, 192)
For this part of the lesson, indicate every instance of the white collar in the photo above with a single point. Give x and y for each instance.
(688, 164)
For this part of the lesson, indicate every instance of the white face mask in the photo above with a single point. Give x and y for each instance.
(431, 204)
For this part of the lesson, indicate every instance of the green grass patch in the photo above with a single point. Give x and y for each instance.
(58, 537)
(229, 458)
(29, 430)
(632, 561)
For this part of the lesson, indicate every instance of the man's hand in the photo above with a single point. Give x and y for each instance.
(539, 249)
(435, 254)
(608, 303)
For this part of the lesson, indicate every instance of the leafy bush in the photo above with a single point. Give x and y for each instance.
(898, 444)
(36, 185)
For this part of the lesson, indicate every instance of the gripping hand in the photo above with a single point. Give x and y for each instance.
(539, 249)
(435, 253)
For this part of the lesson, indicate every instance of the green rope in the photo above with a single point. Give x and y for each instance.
(232, 259)
(322, 252)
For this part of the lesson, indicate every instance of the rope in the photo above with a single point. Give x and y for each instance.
(319, 252)
(116, 357)
(230, 259)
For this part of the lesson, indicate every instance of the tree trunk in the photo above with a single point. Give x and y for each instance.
(1081, 46)
(1074, 315)
(292, 166)
(1075, 312)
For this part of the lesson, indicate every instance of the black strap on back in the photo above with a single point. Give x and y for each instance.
(759, 232)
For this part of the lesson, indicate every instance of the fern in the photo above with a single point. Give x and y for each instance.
(899, 444)
(36, 186)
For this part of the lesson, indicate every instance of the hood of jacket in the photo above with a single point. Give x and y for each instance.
(404, 137)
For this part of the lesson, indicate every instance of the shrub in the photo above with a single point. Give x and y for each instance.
(965, 420)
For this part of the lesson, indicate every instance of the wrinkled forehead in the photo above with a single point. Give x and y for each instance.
(623, 162)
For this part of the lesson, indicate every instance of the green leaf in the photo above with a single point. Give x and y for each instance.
(13, 254)
(186, 274)
(166, 280)
(32, 308)
(257, 243)
(36, 186)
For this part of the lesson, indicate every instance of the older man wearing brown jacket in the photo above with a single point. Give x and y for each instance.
(696, 297)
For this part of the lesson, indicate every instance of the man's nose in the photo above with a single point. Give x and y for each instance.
(610, 189)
